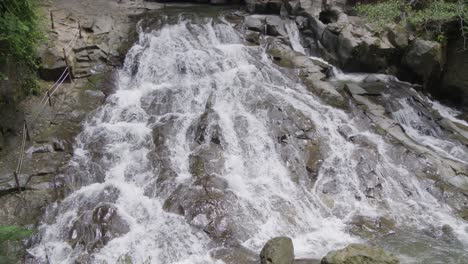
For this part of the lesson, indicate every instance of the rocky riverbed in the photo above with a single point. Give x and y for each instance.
(224, 128)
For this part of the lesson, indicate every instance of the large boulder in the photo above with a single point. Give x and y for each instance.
(454, 83)
(52, 64)
(424, 60)
(278, 250)
(359, 254)
(264, 6)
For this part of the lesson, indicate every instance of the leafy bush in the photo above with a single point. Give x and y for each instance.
(417, 13)
(19, 38)
(381, 13)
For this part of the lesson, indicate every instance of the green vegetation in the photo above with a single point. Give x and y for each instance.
(10, 243)
(13, 233)
(425, 14)
(19, 38)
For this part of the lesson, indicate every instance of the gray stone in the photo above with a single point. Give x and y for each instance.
(255, 23)
(424, 58)
(454, 82)
(52, 64)
(95, 228)
(58, 145)
(264, 6)
(359, 254)
(275, 26)
(278, 250)
(40, 149)
(353, 88)
(252, 37)
(398, 37)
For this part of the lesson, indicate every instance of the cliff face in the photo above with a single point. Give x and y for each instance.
(454, 81)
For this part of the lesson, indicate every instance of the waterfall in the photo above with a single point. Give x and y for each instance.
(207, 144)
(294, 38)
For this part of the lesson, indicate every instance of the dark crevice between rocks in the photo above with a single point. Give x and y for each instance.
(328, 16)
(14, 191)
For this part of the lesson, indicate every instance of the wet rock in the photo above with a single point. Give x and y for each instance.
(345, 131)
(306, 261)
(206, 209)
(353, 88)
(372, 227)
(235, 255)
(255, 23)
(359, 254)
(252, 37)
(278, 250)
(95, 228)
(275, 26)
(281, 54)
(314, 159)
(325, 90)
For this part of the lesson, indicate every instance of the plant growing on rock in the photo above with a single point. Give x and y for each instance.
(10, 242)
(19, 39)
(430, 15)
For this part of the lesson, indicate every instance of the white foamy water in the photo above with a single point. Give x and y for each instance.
(294, 38)
(169, 78)
(448, 112)
(428, 135)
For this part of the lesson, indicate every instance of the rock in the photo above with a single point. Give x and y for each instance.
(25, 209)
(359, 254)
(281, 54)
(235, 255)
(102, 25)
(293, 7)
(454, 81)
(275, 26)
(424, 59)
(255, 23)
(46, 148)
(264, 6)
(95, 228)
(252, 37)
(353, 88)
(58, 145)
(372, 227)
(278, 250)
(52, 64)
(347, 42)
(398, 37)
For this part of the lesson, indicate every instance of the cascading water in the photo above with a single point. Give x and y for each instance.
(207, 144)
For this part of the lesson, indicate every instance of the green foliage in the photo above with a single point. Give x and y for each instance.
(19, 38)
(433, 11)
(13, 233)
(381, 13)
(10, 243)
(437, 10)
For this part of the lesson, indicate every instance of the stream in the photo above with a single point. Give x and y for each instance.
(207, 149)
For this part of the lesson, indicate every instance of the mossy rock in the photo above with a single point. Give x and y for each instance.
(278, 250)
(359, 254)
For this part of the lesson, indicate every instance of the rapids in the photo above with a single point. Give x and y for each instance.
(206, 144)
